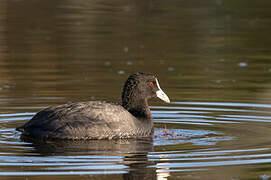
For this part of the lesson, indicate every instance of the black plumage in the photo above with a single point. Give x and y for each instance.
(97, 119)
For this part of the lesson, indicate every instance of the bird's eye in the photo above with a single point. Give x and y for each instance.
(151, 83)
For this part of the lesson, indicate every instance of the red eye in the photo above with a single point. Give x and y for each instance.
(151, 83)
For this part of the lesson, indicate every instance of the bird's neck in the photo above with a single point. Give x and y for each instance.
(138, 108)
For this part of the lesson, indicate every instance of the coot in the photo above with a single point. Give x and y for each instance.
(100, 120)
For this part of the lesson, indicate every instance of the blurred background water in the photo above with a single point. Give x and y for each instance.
(212, 58)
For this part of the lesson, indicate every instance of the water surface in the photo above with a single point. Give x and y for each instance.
(212, 58)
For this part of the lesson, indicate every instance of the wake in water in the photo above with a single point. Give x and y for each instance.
(163, 136)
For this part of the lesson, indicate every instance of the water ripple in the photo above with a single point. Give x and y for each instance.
(199, 136)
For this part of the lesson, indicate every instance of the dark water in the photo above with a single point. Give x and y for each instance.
(212, 58)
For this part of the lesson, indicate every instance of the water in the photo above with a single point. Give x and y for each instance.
(202, 139)
(212, 59)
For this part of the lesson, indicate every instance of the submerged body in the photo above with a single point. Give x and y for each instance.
(100, 120)
(86, 120)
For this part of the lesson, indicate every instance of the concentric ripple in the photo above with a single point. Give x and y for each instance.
(198, 137)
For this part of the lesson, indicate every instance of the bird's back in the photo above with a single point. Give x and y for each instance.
(86, 120)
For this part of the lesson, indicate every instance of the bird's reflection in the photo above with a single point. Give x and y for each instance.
(133, 152)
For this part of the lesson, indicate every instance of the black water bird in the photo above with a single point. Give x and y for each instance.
(100, 120)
